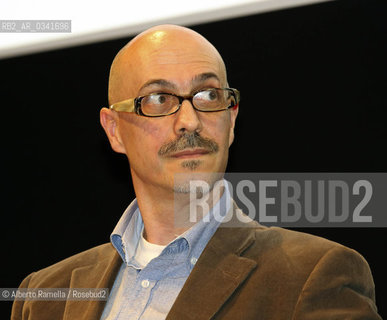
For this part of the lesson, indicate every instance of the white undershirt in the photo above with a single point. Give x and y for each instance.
(147, 251)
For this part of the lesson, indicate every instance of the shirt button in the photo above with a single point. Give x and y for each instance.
(193, 260)
(145, 283)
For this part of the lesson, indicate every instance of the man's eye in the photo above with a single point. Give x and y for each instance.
(161, 99)
(210, 95)
(157, 99)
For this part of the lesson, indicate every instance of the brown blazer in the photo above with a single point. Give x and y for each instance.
(244, 273)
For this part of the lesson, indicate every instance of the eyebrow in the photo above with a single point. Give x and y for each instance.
(159, 82)
(204, 76)
(167, 84)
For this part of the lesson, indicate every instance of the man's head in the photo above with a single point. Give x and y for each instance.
(176, 60)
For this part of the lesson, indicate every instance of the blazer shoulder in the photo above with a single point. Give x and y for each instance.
(273, 240)
(297, 244)
(297, 239)
(292, 247)
(318, 274)
(59, 274)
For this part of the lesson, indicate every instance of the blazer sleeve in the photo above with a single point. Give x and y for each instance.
(339, 287)
(18, 304)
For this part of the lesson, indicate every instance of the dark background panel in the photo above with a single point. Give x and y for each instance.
(313, 82)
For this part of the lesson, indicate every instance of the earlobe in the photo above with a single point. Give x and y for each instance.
(231, 137)
(109, 122)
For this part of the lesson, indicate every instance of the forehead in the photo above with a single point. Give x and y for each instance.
(171, 59)
(180, 65)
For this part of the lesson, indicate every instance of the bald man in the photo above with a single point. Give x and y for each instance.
(172, 111)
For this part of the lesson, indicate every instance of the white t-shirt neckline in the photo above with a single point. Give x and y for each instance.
(147, 251)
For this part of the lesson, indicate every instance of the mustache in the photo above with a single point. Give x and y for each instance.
(188, 141)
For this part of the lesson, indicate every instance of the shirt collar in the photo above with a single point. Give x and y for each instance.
(126, 234)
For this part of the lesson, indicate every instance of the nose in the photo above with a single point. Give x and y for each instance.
(187, 119)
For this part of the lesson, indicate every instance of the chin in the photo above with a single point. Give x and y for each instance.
(193, 180)
(191, 164)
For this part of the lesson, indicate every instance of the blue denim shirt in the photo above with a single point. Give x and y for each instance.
(149, 293)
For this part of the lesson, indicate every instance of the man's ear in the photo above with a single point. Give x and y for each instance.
(109, 122)
(233, 116)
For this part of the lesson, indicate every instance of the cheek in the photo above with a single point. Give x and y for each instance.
(142, 139)
(217, 127)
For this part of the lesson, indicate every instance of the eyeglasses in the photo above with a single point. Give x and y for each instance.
(164, 104)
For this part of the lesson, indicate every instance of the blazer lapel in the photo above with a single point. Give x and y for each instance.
(217, 274)
(99, 275)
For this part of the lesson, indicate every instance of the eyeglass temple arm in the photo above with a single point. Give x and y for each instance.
(237, 97)
(125, 106)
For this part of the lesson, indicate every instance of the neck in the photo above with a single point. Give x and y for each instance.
(167, 214)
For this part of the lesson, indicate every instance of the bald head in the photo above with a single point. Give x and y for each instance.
(155, 51)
